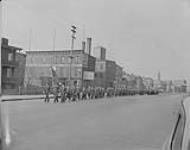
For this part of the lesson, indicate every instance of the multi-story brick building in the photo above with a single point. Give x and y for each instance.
(39, 64)
(118, 77)
(13, 65)
(105, 73)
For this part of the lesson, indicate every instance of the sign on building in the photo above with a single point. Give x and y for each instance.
(88, 75)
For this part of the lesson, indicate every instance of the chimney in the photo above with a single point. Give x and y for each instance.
(89, 45)
(84, 46)
(4, 41)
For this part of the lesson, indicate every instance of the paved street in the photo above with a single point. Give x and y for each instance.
(140, 122)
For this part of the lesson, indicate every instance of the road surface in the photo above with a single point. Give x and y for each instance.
(127, 123)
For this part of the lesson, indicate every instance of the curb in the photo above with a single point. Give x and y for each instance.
(23, 98)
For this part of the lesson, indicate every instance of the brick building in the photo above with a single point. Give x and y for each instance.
(105, 73)
(118, 77)
(13, 66)
(39, 64)
(105, 70)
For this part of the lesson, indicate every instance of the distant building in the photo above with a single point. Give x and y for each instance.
(140, 84)
(13, 67)
(148, 83)
(131, 81)
(179, 86)
(168, 86)
(118, 77)
(188, 88)
(105, 73)
(39, 64)
(160, 86)
(159, 76)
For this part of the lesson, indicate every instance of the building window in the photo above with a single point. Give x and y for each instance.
(77, 59)
(10, 56)
(9, 72)
(101, 66)
(101, 75)
(79, 72)
(63, 60)
(54, 59)
(43, 60)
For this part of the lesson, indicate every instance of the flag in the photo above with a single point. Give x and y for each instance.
(53, 71)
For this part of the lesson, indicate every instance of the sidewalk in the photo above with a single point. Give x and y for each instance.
(22, 97)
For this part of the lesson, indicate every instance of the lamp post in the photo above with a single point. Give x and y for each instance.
(73, 37)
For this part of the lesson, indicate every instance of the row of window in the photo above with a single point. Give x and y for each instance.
(56, 60)
(60, 71)
(100, 67)
(10, 56)
(8, 72)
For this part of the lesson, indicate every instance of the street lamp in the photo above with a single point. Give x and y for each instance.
(73, 37)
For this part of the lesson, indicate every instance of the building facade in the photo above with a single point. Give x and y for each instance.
(148, 83)
(105, 73)
(179, 86)
(13, 67)
(39, 64)
(118, 77)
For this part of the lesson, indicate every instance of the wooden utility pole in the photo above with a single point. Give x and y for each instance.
(54, 39)
(73, 37)
(2, 126)
(0, 46)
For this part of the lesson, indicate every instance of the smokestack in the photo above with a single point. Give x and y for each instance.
(83, 46)
(89, 45)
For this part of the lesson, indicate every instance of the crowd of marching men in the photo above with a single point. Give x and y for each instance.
(63, 94)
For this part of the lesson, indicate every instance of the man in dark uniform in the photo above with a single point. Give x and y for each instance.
(63, 93)
(56, 94)
(47, 92)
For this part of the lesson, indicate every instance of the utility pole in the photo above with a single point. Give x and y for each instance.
(0, 46)
(4, 135)
(30, 39)
(54, 39)
(73, 37)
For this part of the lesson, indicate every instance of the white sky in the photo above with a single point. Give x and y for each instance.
(144, 36)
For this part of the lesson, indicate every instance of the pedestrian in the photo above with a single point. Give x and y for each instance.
(63, 93)
(56, 94)
(47, 92)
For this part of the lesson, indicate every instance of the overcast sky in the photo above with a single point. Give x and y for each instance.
(144, 36)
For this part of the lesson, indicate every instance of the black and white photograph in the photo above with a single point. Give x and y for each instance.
(95, 75)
